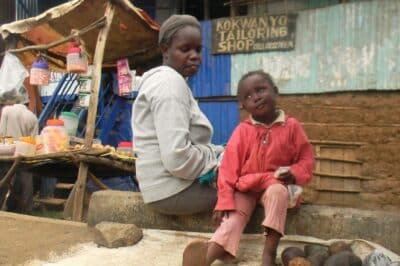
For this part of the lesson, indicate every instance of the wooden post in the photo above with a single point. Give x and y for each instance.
(234, 11)
(206, 8)
(80, 183)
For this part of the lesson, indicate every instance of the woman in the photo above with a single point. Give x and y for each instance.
(171, 135)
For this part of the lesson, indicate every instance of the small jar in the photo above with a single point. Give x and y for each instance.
(125, 148)
(25, 146)
(76, 60)
(54, 136)
(40, 73)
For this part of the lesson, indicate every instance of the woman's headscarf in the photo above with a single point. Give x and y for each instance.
(173, 24)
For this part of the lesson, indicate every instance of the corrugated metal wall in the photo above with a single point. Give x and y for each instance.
(26, 8)
(213, 78)
(7, 11)
(43, 5)
(147, 5)
(224, 116)
(347, 47)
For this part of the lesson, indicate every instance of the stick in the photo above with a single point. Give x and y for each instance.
(10, 172)
(97, 24)
(95, 180)
(69, 204)
(90, 123)
(107, 162)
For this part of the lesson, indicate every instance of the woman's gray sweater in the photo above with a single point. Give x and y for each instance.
(172, 137)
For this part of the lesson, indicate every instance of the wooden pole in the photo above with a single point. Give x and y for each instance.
(234, 11)
(206, 8)
(42, 47)
(80, 183)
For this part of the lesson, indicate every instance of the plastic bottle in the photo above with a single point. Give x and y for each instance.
(76, 60)
(125, 148)
(40, 72)
(70, 122)
(25, 146)
(54, 136)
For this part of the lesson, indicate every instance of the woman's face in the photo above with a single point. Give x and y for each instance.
(184, 51)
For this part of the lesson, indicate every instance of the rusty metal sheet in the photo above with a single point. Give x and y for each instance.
(133, 33)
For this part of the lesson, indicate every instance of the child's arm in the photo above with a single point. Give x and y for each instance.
(229, 171)
(303, 167)
(255, 182)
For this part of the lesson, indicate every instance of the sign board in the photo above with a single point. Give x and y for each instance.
(253, 34)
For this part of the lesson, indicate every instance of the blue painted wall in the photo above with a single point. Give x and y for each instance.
(224, 116)
(214, 76)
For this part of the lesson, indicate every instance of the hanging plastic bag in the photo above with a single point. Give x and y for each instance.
(124, 77)
(12, 76)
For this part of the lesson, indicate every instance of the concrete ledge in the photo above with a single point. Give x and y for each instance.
(311, 220)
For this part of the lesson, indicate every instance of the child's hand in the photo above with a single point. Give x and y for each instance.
(218, 216)
(287, 178)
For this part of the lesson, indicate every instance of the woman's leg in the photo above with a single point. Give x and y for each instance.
(275, 201)
(195, 199)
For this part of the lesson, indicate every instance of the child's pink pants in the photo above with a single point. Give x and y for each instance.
(275, 201)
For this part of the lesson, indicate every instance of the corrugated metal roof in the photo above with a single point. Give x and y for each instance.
(347, 47)
(213, 77)
(57, 22)
(224, 116)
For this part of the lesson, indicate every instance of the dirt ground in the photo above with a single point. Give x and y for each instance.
(24, 237)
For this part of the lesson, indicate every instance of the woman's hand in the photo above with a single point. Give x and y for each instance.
(218, 216)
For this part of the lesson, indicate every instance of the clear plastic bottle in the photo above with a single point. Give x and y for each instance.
(54, 136)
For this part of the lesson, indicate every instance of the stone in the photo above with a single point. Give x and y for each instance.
(115, 235)
(337, 247)
(290, 253)
(299, 261)
(377, 258)
(318, 259)
(311, 249)
(344, 258)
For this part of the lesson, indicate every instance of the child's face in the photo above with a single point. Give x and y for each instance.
(258, 97)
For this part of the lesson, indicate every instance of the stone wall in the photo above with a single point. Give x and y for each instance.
(369, 117)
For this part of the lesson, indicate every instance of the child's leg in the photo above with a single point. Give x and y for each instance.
(225, 241)
(228, 234)
(275, 201)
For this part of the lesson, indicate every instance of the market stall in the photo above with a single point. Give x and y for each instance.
(103, 32)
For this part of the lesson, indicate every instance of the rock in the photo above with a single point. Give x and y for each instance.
(299, 261)
(114, 235)
(311, 249)
(337, 247)
(377, 259)
(344, 258)
(318, 258)
(290, 253)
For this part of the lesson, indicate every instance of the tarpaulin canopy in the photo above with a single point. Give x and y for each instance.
(133, 33)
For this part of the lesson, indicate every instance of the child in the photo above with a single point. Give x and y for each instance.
(258, 147)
